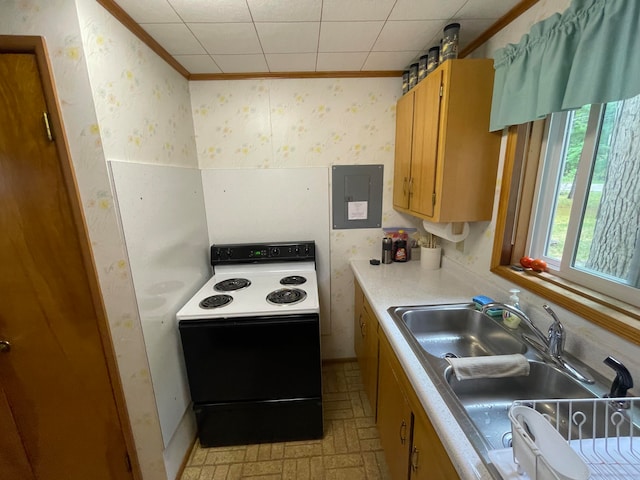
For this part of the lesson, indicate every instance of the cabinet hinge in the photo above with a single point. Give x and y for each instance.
(47, 126)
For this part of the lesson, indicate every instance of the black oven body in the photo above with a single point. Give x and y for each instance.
(254, 379)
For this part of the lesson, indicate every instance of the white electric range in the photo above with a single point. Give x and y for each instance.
(278, 288)
(251, 343)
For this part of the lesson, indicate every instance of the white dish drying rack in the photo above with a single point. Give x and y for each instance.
(603, 432)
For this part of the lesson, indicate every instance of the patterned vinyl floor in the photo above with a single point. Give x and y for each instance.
(350, 449)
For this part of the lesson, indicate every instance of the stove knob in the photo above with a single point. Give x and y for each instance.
(275, 251)
(228, 253)
(297, 251)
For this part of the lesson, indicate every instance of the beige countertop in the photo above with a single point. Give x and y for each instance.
(408, 283)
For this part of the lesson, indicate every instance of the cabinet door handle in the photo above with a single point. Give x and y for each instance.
(411, 186)
(363, 326)
(414, 458)
(403, 432)
(404, 187)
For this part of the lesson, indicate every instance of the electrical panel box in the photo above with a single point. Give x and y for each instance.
(357, 196)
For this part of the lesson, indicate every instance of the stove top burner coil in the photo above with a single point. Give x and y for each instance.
(231, 285)
(293, 280)
(216, 301)
(286, 296)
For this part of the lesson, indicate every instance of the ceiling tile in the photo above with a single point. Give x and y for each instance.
(220, 11)
(242, 63)
(355, 10)
(348, 36)
(235, 35)
(227, 38)
(285, 10)
(174, 37)
(406, 35)
(425, 9)
(341, 61)
(292, 37)
(488, 9)
(471, 29)
(149, 11)
(291, 62)
(390, 60)
(198, 63)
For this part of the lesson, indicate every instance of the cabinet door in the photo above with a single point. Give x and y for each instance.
(424, 165)
(358, 334)
(394, 420)
(402, 163)
(429, 459)
(370, 373)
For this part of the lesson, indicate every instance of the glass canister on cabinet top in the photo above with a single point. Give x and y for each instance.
(422, 68)
(405, 81)
(433, 57)
(450, 41)
(413, 75)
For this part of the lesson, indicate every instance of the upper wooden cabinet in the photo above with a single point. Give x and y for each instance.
(446, 159)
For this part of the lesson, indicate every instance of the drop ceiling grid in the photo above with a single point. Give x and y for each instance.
(242, 36)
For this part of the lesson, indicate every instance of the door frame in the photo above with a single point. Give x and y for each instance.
(36, 45)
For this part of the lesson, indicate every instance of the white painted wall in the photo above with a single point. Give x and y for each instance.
(162, 213)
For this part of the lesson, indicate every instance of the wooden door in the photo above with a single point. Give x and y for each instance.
(402, 162)
(57, 389)
(394, 419)
(426, 125)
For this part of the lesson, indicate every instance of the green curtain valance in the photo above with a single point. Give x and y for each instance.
(588, 54)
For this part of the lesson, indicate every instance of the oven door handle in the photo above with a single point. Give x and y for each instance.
(250, 321)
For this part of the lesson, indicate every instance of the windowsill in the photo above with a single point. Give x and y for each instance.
(617, 317)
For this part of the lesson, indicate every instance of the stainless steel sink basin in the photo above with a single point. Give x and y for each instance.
(481, 405)
(457, 331)
(487, 400)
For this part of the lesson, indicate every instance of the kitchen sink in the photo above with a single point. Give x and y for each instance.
(481, 405)
(487, 400)
(457, 331)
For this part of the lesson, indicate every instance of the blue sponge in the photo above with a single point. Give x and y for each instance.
(481, 300)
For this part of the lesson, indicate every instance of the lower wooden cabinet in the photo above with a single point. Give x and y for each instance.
(411, 445)
(366, 345)
(429, 459)
(394, 420)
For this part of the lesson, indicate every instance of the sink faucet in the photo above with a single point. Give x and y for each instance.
(551, 345)
(543, 341)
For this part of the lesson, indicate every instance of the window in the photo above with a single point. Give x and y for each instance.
(586, 220)
(570, 194)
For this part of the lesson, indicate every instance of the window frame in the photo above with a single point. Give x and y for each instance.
(522, 157)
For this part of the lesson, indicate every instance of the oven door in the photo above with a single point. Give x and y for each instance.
(252, 358)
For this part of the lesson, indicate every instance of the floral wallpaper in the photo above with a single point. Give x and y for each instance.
(142, 103)
(307, 123)
(58, 22)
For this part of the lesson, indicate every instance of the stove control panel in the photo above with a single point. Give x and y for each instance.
(262, 252)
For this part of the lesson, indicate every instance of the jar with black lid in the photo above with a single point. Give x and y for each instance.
(422, 68)
(413, 75)
(433, 58)
(405, 81)
(450, 41)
